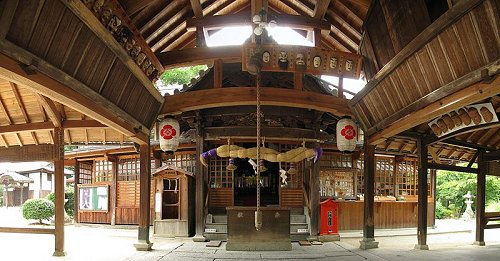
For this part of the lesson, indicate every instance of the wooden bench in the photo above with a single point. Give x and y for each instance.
(492, 216)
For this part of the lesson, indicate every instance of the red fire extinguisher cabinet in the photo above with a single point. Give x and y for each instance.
(329, 218)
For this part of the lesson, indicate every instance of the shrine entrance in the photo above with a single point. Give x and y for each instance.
(245, 184)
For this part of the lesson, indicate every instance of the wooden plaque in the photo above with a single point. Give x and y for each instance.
(311, 60)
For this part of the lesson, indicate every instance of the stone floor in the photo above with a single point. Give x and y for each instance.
(450, 240)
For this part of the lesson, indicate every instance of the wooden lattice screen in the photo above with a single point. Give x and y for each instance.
(85, 169)
(103, 171)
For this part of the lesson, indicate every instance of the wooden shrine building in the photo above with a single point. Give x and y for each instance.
(259, 130)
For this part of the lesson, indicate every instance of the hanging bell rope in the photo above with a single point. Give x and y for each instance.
(258, 213)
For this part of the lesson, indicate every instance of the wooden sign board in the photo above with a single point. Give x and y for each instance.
(28, 153)
(93, 197)
(311, 60)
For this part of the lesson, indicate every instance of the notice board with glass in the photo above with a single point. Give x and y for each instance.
(93, 198)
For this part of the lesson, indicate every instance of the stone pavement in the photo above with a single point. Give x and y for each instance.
(451, 240)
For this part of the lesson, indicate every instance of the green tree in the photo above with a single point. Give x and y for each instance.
(452, 186)
(182, 75)
(39, 209)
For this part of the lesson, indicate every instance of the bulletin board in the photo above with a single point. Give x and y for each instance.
(93, 198)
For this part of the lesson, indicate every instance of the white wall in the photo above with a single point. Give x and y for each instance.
(35, 186)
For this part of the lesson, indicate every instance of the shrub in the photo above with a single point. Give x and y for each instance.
(69, 206)
(39, 208)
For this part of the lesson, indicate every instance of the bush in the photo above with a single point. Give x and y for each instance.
(69, 206)
(39, 208)
(442, 212)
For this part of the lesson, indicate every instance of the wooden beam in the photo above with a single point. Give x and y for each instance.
(67, 134)
(18, 138)
(320, 9)
(446, 102)
(199, 55)
(51, 109)
(473, 159)
(200, 31)
(26, 127)
(78, 96)
(30, 230)
(422, 196)
(29, 153)
(492, 156)
(268, 132)
(4, 142)
(197, 9)
(218, 71)
(242, 19)
(452, 168)
(465, 144)
(7, 11)
(314, 198)
(59, 191)
(20, 102)
(212, 98)
(134, 6)
(5, 112)
(298, 81)
(434, 155)
(87, 124)
(340, 92)
(423, 38)
(87, 17)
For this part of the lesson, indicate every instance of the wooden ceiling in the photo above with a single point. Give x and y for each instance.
(163, 24)
(28, 118)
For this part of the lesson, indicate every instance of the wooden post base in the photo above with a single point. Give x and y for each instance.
(368, 243)
(59, 253)
(143, 246)
(479, 243)
(199, 238)
(329, 238)
(421, 247)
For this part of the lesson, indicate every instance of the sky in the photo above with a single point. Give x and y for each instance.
(283, 35)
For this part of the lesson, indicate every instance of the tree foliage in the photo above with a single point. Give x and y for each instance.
(182, 75)
(39, 209)
(452, 186)
(69, 206)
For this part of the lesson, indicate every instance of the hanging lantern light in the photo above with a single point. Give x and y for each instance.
(169, 134)
(231, 166)
(346, 134)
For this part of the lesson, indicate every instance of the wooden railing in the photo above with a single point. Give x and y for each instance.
(491, 217)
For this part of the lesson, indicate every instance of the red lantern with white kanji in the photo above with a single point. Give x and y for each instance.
(169, 132)
(346, 134)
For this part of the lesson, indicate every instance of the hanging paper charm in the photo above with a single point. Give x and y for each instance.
(346, 134)
(169, 131)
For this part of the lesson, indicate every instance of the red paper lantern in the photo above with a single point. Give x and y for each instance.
(346, 134)
(169, 132)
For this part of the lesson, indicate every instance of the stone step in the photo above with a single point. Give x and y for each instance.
(297, 218)
(219, 219)
(298, 236)
(222, 236)
(219, 227)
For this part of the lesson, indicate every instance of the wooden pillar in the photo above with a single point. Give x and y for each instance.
(114, 192)
(434, 180)
(143, 243)
(368, 241)
(422, 196)
(218, 73)
(199, 184)
(314, 200)
(480, 200)
(77, 181)
(59, 191)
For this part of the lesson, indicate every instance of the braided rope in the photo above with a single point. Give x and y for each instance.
(258, 139)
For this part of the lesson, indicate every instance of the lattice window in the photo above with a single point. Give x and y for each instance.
(183, 160)
(407, 177)
(85, 169)
(129, 169)
(384, 176)
(335, 161)
(337, 175)
(360, 178)
(220, 177)
(103, 171)
(294, 181)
